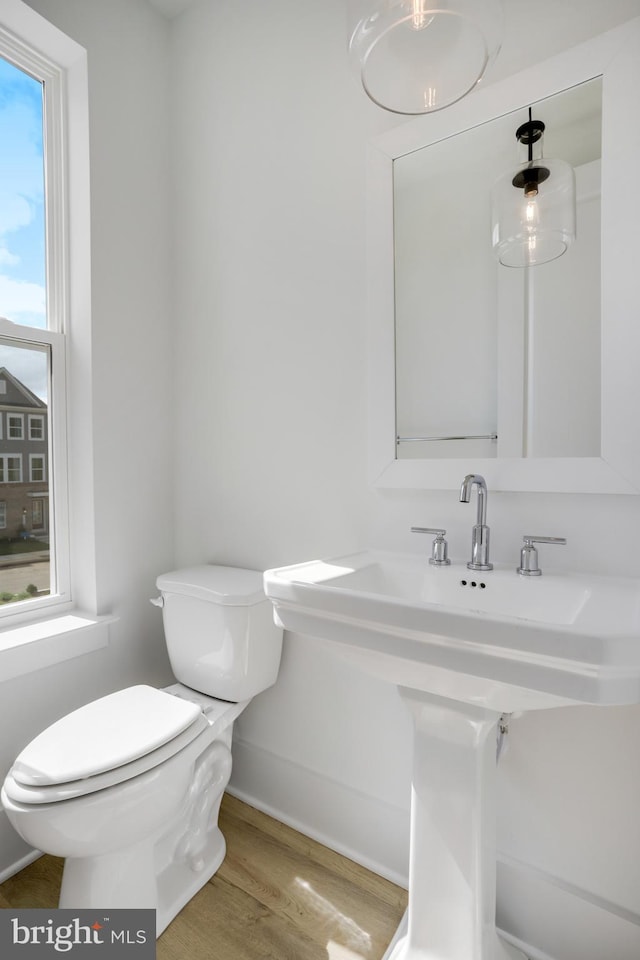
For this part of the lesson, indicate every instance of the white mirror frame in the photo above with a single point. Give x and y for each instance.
(615, 56)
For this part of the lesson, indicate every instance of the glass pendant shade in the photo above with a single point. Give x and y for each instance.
(417, 56)
(533, 209)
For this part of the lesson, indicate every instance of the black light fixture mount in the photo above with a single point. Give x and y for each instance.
(535, 222)
(531, 177)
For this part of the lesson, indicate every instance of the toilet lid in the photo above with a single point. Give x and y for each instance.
(103, 735)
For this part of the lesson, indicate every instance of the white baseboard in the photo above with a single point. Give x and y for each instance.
(19, 865)
(550, 919)
(362, 828)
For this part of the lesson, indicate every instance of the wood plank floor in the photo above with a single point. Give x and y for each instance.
(277, 896)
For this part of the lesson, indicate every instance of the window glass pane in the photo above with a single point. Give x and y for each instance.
(22, 217)
(25, 520)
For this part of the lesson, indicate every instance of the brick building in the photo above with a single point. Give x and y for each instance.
(24, 489)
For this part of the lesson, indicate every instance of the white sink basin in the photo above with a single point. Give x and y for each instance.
(496, 638)
(498, 592)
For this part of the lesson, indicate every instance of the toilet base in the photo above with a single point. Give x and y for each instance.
(165, 870)
(179, 882)
(187, 857)
(125, 879)
(111, 881)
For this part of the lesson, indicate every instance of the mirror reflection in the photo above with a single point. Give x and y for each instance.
(493, 361)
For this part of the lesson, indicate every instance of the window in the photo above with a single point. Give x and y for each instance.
(32, 329)
(3, 514)
(15, 426)
(37, 470)
(36, 427)
(10, 469)
(64, 620)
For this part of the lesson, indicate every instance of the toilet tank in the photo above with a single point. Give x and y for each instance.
(219, 630)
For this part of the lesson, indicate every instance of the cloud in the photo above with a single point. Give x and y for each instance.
(22, 302)
(8, 258)
(22, 181)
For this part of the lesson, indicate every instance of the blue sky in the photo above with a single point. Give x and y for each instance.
(22, 234)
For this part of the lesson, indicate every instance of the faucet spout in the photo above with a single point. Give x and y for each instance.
(471, 480)
(480, 533)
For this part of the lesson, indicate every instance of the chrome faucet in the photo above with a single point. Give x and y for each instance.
(480, 533)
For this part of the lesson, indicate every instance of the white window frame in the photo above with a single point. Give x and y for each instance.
(5, 457)
(36, 418)
(10, 426)
(37, 456)
(68, 623)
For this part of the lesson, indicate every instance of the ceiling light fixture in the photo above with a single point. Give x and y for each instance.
(417, 56)
(533, 211)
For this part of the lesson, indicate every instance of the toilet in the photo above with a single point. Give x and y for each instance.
(128, 788)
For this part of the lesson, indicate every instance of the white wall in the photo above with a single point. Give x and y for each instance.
(270, 227)
(271, 348)
(132, 372)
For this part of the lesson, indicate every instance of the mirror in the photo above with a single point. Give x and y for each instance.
(486, 355)
(531, 367)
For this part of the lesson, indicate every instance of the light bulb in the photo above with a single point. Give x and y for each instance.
(531, 222)
(430, 98)
(419, 16)
(531, 214)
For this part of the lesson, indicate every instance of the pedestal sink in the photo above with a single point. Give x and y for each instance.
(464, 648)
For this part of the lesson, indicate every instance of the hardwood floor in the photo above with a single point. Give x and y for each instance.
(277, 896)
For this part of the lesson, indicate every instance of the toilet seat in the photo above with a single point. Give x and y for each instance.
(104, 743)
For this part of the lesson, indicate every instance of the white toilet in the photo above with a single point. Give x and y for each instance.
(128, 788)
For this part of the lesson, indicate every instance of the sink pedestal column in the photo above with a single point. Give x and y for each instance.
(452, 870)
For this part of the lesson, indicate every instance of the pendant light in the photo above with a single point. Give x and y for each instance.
(533, 210)
(417, 56)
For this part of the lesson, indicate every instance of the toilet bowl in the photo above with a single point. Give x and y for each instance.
(141, 833)
(128, 788)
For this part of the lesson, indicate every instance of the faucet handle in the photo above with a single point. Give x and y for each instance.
(529, 555)
(439, 549)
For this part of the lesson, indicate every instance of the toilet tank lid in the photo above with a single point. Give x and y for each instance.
(103, 735)
(233, 586)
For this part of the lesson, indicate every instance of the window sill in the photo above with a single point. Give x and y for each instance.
(32, 646)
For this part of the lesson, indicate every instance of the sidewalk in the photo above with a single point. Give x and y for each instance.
(19, 571)
(20, 559)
